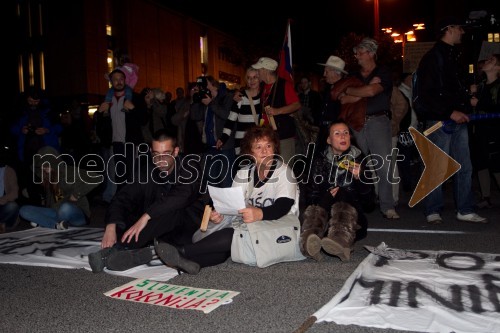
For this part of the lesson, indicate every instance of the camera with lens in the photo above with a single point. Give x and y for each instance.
(202, 85)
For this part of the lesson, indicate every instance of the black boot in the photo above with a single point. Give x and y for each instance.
(126, 259)
(97, 260)
(172, 257)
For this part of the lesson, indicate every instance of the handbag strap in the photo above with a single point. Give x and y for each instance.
(250, 183)
(252, 106)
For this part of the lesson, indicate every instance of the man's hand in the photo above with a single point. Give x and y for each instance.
(459, 117)
(128, 105)
(109, 238)
(251, 214)
(104, 107)
(134, 231)
(206, 100)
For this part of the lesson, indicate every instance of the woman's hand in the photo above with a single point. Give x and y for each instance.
(134, 231)
(251, 214)
(355, 169)
(216, 217)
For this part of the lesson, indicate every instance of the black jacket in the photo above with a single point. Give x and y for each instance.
(440, 88)
(155, 195)
(326, 174)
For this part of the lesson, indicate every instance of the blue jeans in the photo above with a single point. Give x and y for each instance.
(454, 141)
(9, 213)
(49, 217)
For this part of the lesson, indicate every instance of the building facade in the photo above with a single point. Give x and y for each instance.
(68, 51)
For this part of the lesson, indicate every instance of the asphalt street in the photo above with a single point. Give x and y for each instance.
(275, 299)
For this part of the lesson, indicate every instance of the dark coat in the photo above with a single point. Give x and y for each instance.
(156, 196)
(359, 193)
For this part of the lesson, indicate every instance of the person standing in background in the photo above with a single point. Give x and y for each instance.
(486, 100)
(374, 138)
(442, 97)
(279, 99)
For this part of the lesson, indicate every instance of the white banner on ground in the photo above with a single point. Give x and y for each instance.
(67, 249)
(425, 291)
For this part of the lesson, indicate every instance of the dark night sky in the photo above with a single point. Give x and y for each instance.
(317, 26)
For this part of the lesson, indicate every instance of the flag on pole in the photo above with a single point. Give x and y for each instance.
(285, 64)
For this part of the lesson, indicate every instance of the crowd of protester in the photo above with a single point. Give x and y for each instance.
(144, 136)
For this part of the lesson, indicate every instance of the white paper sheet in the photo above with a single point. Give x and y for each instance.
(227, 201)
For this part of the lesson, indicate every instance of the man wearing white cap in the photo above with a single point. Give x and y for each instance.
(280, 100)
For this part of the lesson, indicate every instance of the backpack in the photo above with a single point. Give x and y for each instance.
(416, 101)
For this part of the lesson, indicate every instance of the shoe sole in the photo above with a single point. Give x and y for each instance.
(313, 245)
(468, 221)
(127, 259)
(435, 222)
(96, 261)
(170, 256)
(335, 249)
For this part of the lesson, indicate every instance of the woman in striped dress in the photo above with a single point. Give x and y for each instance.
(241, 116)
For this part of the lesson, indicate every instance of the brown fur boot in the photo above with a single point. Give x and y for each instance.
(313, 227)
(342, 231)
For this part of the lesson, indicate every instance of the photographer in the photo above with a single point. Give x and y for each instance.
(32, 131)
(210, 109)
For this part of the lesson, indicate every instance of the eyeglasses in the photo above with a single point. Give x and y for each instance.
(358, 53)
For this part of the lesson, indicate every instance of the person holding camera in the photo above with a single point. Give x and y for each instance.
(211, 107)
(34, 130)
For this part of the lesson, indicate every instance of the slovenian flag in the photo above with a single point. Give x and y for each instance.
(285, 63)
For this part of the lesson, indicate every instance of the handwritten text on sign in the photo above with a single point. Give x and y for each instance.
(177, 297)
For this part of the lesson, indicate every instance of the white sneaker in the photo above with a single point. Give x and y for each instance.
(33, 224)
(471, 217)
(434, 218)
(63, 225)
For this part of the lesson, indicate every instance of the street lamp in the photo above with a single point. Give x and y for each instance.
(376, 18)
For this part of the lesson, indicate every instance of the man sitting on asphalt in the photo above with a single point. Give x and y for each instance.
(159, 204)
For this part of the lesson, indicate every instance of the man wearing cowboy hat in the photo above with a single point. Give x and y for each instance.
(334, 71)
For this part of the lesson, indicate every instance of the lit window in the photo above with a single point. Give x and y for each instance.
(204, 50)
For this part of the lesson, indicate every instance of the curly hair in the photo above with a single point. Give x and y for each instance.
(255, 133)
